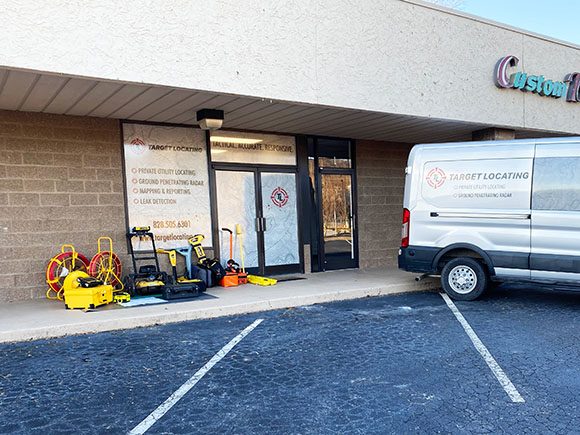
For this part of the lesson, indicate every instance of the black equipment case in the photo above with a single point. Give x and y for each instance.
(183, 290)
(209, 271)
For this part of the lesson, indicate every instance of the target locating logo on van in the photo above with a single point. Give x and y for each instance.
(436, 177)
(279, 197)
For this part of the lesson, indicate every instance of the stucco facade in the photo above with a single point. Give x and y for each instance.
(395, 56)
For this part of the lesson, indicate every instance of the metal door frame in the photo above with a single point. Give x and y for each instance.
(318, 172)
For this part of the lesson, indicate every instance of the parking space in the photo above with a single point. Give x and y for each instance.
(537, 333)
(391, 364)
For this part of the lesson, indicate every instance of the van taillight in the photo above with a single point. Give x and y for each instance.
(405, 230)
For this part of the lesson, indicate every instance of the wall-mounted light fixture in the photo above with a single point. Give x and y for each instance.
(210, 119)
(230, 139)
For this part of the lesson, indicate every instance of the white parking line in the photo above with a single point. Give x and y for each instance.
(505, 382)
(162, 409)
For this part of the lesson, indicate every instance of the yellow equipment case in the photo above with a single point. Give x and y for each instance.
(77, 296)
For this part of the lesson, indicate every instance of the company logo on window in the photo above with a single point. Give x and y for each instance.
(436, 177)
(279, 197)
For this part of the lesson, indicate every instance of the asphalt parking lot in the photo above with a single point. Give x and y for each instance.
(380, 365)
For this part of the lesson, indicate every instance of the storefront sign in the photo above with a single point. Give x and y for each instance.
(252, 148)
(167, 182)
(569, 87)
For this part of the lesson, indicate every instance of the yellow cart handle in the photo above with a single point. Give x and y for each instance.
(172, 255)
(102, 240)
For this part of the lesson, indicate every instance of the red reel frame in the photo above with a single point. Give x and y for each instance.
(70, 260)
(106, 266)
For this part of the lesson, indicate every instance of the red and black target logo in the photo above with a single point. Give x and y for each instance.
(279, 197)
(436, 177)
(138, 145)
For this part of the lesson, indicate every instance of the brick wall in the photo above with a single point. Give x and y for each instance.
(381, 181)
(60, 182)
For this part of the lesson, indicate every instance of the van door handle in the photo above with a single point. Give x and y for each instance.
(258, 225)
(434, 214)
(263, 224)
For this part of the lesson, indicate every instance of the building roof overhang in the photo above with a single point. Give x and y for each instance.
(31, 91)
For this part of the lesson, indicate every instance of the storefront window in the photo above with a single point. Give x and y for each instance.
(334, 153)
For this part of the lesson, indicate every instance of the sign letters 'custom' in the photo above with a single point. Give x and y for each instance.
(569, 87)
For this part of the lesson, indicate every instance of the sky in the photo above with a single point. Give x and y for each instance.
(555, 18)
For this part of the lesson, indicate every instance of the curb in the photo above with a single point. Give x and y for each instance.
(145, 320)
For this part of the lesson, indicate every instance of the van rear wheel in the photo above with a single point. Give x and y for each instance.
(464, 279)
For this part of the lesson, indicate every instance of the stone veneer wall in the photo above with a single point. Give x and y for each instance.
(380, 181)
(60, 182)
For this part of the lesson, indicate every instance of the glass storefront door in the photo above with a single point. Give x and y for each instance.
(264, 202)
(236, 204)
(337, 221)
(333, 235)
(280, 219)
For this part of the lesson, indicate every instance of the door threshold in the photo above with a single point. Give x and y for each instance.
(286, 278)
(338, 270)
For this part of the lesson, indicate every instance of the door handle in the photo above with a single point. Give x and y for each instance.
(260, 224)
(434, 214)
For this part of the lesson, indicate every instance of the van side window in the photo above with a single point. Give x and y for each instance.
(556, 184)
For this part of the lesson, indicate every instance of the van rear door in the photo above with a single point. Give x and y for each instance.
(555, 253)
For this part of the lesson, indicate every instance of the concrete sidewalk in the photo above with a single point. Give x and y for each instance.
(45, 319)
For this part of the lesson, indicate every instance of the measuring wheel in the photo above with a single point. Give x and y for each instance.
(60, 266)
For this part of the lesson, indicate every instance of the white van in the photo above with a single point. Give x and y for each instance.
(477, 212)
